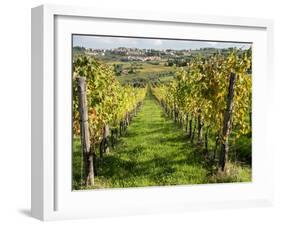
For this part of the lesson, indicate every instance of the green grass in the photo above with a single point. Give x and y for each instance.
(166, 78)
(144, 70)
(153, 152)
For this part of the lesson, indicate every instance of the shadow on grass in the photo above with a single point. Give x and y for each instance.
(116, 168)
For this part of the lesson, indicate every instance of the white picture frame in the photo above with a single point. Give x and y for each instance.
(52, 198)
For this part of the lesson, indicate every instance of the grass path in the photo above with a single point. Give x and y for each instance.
(153, 152)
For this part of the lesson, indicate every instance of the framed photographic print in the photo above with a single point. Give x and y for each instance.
(136, 113)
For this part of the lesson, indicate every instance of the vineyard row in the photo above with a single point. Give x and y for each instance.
(213, 95)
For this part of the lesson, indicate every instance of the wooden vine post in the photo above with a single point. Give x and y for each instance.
(88, 157)
(227, 122)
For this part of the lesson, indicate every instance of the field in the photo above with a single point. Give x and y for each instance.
(143, 71)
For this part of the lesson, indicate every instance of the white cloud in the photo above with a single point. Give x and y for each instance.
(211, 43)
(158, 42)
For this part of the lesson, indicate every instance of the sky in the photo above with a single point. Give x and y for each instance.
(103, 42)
